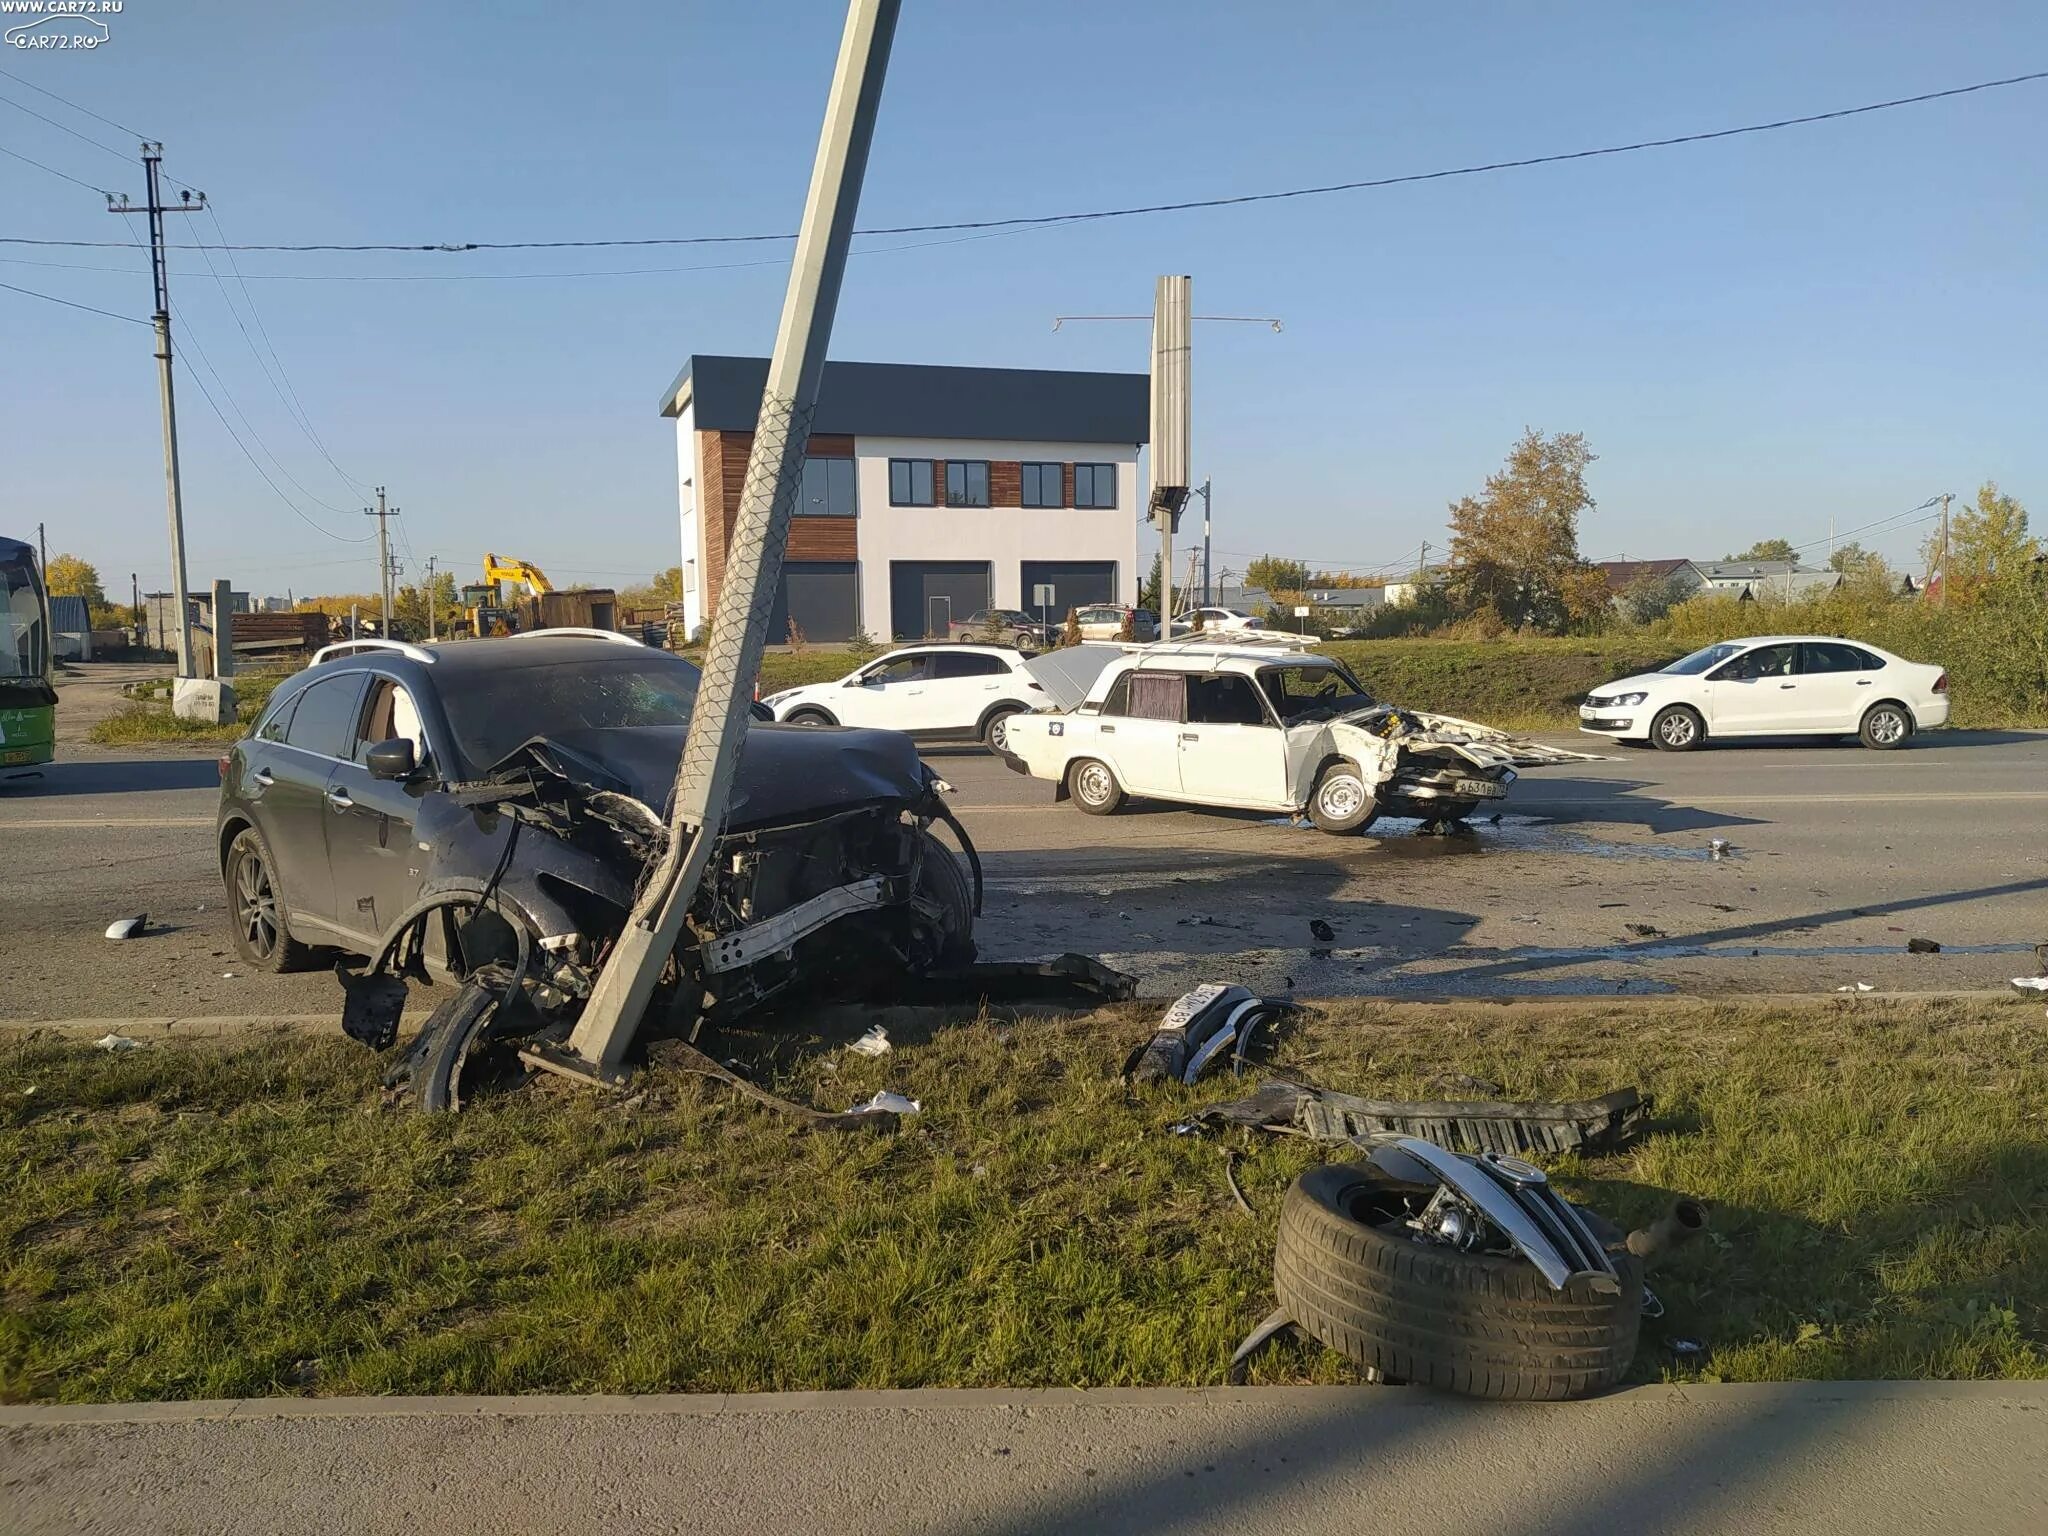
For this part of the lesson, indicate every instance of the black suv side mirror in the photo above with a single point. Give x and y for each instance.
(390, 759)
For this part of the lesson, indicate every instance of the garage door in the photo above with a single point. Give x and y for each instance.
(924, 595)
(1074, 583)
(822, 596)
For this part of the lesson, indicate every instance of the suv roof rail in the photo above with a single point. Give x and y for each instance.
(350, 647)
(588, 634)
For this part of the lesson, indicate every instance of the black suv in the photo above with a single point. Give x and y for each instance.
(525, 781)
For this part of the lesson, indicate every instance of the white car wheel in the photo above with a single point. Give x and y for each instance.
(1677, 728)
(1094, 787)
(1341, 802)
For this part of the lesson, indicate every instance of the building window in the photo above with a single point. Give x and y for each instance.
(1095, 485)
(966, 482)
(828, 489)
(910, 483)
(689, 575)
(1042, 487)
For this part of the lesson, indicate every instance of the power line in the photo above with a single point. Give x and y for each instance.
(63, 175)
(74, 106)
(72, 304)
(1146, 209)
(88, 111)
(294, 506)
(83, 138)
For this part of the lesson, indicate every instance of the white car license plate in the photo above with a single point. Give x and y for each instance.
(1484, 789)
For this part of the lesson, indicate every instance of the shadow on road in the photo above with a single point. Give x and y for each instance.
(124, 777)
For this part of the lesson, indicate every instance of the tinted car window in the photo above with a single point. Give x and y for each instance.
(492, 710)
(904, 669)
(1701, 660)
(966, 665)
(280, 717)
(325, 720)
(1764, 661)
(1834, 658)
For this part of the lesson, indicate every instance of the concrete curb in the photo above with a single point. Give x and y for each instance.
(180, 1027)
(2019, 1396)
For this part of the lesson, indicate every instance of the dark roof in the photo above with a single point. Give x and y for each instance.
(1621, 573)
(69, 615)
(537, 649)
(918, 400)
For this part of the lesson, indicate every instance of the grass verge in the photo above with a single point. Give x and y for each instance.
(147, 716)
(245, 1217)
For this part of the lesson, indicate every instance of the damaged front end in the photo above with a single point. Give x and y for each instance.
(1435, 768)
(828, 882)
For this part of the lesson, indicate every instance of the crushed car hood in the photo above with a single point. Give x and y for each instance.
(1471, 740)
(786, 772)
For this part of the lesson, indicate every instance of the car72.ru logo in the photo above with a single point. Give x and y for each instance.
(58, 23)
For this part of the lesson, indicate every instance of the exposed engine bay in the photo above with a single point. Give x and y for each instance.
(829, 882)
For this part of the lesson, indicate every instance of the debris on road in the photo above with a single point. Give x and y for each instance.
(1294, 1106)
(1230, 1178)
(874, 1043)
(1918, 946)
(886, 1103)
(687, 1058)
(113, 1042)
(1644, 930)
(1464, 1272)
(1321, 929)
(1717, 847)
(2031, 983)
(1198, 1029)
(128, 927)
(1861, 986)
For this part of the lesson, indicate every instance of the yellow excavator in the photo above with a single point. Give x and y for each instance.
(489, 617)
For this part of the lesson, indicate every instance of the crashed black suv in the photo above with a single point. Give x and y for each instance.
(487, 809)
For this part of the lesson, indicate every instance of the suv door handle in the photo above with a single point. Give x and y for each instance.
(338, 797)
(264, 778)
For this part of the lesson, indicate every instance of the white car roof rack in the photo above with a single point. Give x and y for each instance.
(587, 634)
(350, 647)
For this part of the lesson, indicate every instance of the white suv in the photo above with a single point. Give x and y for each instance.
(931, 693)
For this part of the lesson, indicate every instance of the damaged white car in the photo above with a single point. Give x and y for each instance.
(1254, 728)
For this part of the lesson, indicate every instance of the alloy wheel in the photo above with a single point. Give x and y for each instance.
(256, 904)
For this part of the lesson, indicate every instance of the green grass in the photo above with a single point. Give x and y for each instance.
(147, 716)
(247, 1217)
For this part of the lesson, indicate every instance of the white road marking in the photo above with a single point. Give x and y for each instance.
(52, 823)
(1512, 806)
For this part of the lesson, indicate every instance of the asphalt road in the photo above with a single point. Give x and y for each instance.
(1836, 857)
(1814, 1457)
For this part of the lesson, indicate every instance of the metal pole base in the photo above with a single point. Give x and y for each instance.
(563, 1062)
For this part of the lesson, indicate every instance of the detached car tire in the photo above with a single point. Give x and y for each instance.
(1340, 802)
(1885, 727)
(1435, 1316)
(1677, 728)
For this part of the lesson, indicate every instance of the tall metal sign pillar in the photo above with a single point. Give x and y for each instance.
(739, 630)
(1171, 335)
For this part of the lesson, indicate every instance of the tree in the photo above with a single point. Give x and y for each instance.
(1986, 542)
(69, 576)
(1148, 590)
(1271, 573)
(1768, 549)
(409, 606)
(1070, 633)
(1515, 546)
(665, 587)
(1648, 598)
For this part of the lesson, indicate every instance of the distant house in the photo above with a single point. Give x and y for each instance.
(1406, 591)
(1782, 579)
(1620, 575)
(70, 629)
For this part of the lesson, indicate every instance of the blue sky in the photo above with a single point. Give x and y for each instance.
(1754, 334)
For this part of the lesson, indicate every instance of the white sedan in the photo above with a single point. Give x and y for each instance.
(1773, 685)
(933, 693)
(1217, 622)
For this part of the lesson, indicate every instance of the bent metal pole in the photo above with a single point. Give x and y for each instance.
(739, 631)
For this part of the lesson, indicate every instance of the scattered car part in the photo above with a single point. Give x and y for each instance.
(1644, 931)
(1686, 1220)
(1230, 1178)
(1064, 981)
(1198, 1029)
(1396, 1267)
(128, 927)
(886, 1103)
(687, 1058)
(1922, 947)
(2031, 983)
(113, 1042)
(874, 1043)
(1293, 1106)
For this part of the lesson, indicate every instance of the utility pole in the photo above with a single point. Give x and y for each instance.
(42, 554)
(383, 515)
(135, 601)
(739, 629)
(431, 636)
(1941, 600)
(152, 159)
(1208, 592)
(1171, 337)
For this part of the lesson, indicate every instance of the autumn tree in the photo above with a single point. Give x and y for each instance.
(409, 606)
(1986, 542)
(69, 576)
(1515, 546)
(664, 587)
(1271, 573)
(1768, 549)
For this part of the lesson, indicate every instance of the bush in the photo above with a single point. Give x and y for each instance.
(862, 646)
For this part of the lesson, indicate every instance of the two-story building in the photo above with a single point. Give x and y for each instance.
(929, 493)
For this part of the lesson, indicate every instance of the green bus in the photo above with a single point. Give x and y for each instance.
(28, 701)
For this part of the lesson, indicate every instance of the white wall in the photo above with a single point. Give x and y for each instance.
(692, 532)
(1003, 537)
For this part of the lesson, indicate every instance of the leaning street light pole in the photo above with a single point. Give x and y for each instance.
(739, 630)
